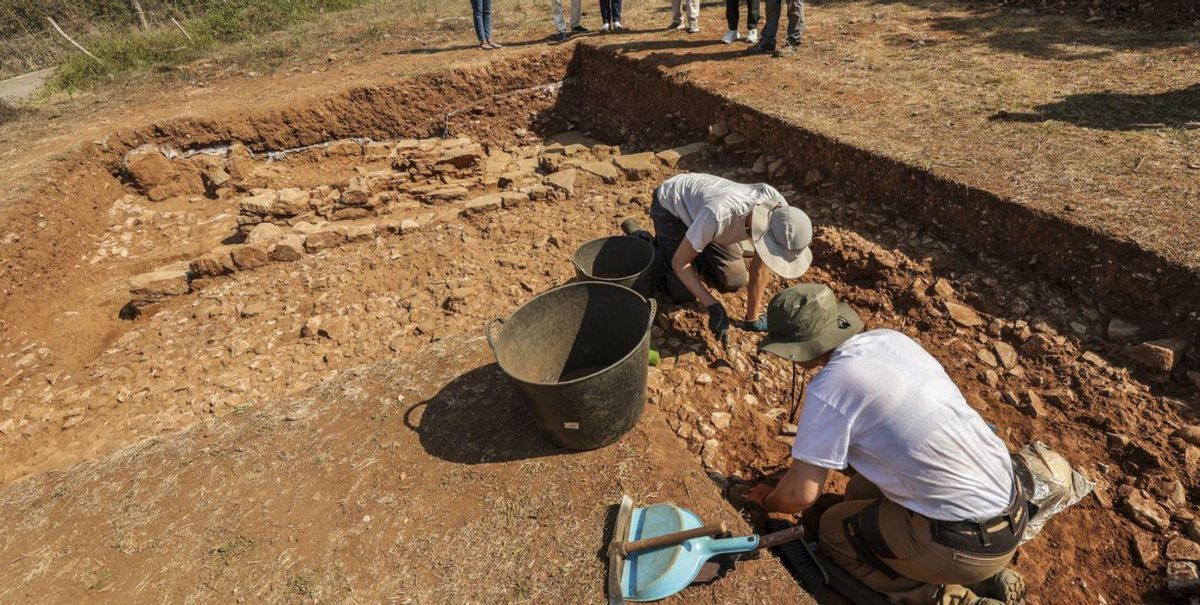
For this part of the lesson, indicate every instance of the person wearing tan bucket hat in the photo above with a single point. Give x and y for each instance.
(700, 220)
(934, 513)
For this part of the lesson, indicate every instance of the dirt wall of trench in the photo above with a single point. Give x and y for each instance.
(1163, 296)
(60, 216)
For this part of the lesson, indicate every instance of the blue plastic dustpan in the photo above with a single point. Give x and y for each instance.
(657, 574)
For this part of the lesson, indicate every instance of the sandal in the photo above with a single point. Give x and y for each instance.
(494, 45)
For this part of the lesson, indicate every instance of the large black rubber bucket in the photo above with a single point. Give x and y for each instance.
(622, 260)
(579, 354)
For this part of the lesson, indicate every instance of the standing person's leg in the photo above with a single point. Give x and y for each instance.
(724, 266)
(616, 13)
(576, 14)
(731, 14)
(477, 15)
(605, 14)
(676, 13)
(487, 21)
(694, 15)
(795, 21)
(560, 24)
(771, 27)
(752, 14)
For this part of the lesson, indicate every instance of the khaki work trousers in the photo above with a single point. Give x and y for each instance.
(693, 11)
(924, 565)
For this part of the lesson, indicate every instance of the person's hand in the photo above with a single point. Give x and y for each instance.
(758, 325)
(718, 322)
(758, 495)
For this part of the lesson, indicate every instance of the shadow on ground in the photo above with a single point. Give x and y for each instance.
(478, 418)
(1119, 111)
(1037, 35)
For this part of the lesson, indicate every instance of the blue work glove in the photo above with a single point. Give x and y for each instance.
(758, 325)
(718, 322)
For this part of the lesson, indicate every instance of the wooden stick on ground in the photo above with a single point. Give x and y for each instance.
(185, 32)
(141, 14)
(73, 43)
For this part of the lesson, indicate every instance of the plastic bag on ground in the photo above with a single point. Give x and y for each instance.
(1050, 484)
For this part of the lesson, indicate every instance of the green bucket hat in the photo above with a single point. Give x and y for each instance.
(806, 321)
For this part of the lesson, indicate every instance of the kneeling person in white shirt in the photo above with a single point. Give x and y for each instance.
(934, 514)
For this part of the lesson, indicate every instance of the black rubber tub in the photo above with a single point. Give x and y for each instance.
(579, 354)
(623, 260)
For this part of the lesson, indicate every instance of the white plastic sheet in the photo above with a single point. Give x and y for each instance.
(1049, 482)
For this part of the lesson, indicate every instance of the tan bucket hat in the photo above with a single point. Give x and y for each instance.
(781, 235)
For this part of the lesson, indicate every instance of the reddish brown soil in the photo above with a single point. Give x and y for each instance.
(61, 343)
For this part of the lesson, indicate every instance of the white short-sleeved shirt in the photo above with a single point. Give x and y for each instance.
(886, 407)
(713, 208)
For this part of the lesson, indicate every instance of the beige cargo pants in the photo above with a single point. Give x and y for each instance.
(693, 11)
(924, 565)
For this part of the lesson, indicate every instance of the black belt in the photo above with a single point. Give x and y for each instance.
(994, 536)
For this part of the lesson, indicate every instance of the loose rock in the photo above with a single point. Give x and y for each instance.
(962, 315)
(1146, 512)
(1182, 549)
(1158, 355)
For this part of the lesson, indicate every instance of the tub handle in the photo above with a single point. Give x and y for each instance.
(488, 331)
(653, 312)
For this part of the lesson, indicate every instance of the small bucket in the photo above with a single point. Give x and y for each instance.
(579, 354)
(623, 260)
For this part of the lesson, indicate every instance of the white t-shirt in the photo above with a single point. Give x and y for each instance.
(886, 407)
(713, 208)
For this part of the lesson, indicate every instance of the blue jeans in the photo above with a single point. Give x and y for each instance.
(483, 19)
(610, 11)
(795, 13)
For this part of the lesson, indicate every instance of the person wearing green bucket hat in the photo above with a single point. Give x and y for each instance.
(934, 512)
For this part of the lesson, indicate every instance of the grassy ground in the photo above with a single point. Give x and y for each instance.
(254, 33)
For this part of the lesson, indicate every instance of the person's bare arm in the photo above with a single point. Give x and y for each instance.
(686, 270)
(759, 276)
(796, 492)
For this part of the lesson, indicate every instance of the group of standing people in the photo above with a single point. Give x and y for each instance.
(685, 15)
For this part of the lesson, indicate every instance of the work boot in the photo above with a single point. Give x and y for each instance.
(953, 594)
(1007, 587)
(631, 227)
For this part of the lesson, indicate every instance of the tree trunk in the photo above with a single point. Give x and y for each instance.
(141, 14)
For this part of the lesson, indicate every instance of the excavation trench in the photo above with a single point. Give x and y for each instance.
(447, 235)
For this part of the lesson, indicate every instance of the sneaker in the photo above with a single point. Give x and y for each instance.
(730, 36)
(752, 37)
(604, 28)
(694, 27)
(617, 27)
(1007, 587)
(676, 24)
(579, 29)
